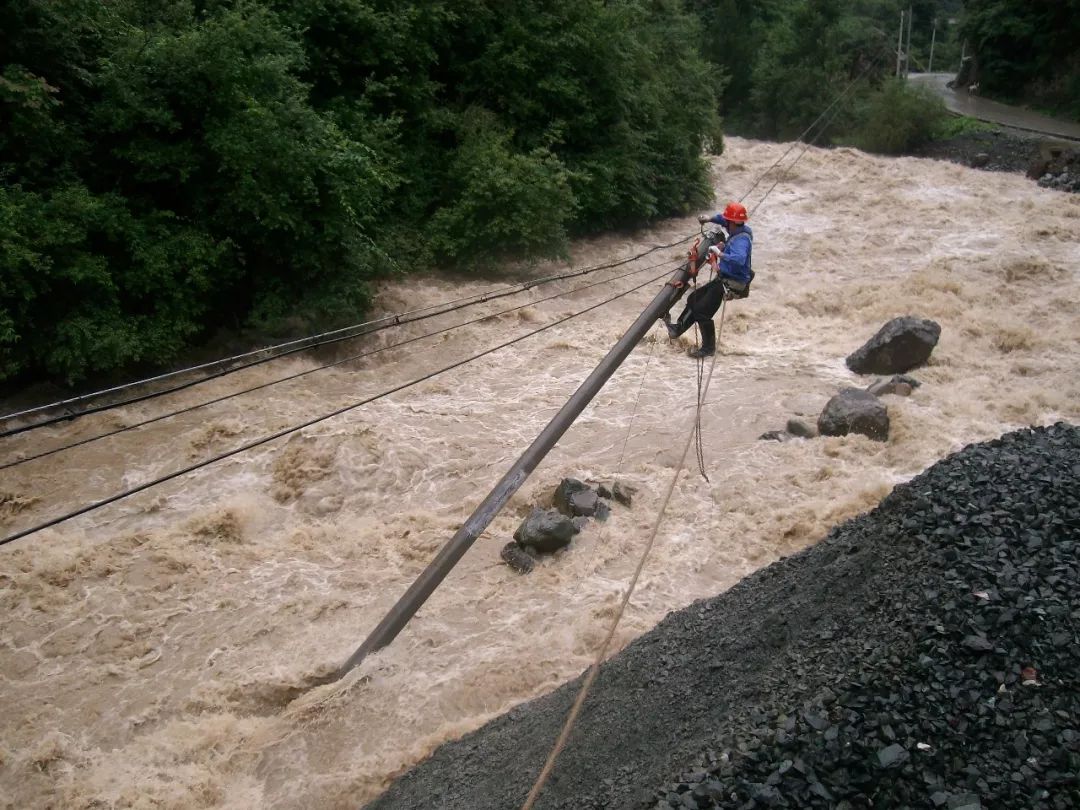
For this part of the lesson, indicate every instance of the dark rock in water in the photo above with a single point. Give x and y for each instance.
(603, 511)
(517, 558)
(623, 493)
(580, 522)
(573, 498)
(774, 436)
(545, 531)
(899, 384)
(980, 160)
(801, 429)
(855, 411)
(603, 491)
(901, 344)
(565, 490)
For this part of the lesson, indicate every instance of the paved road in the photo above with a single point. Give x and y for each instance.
(959, 101)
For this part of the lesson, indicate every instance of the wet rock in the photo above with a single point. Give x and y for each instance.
(775, 436)
(574, 498)
(980, 160)
(603, 511)
(802, 429)
(900, 345)
(899, 384)
(517, 558)
(1056, 165)
(623, 493)
(545, 531)
(855, 411)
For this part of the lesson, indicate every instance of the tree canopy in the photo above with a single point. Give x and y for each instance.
(171, 166)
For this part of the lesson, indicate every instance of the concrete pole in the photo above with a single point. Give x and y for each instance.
(933, 39)
(900, 45)
(455, 548)
(907, 53)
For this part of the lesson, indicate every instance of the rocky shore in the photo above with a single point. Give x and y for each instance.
(1052, 163)
(925, 654)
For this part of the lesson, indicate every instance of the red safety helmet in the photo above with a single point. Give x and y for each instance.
(735, 212)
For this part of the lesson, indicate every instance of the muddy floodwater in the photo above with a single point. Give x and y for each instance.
(159, 652)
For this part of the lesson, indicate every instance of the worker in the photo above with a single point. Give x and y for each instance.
(733, 277)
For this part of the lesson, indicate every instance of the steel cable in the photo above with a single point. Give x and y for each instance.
(279, 434)
(304, 373)
(387, 322)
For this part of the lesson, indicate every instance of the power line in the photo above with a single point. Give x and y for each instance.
(805, 132)
(279, 434)
(309, 343)
(304, 373)
(787, 170)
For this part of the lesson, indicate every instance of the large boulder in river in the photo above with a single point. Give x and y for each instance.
(855, 411)
(901, 344)
(546, 530)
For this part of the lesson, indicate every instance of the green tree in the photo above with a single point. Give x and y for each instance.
(1027, 50)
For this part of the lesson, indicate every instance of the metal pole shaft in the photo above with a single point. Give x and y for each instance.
(455, 548)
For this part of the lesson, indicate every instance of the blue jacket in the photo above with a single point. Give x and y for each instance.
(736, 260)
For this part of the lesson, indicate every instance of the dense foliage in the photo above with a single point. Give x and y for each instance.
(172, 166)
(167, 166)
(1027, 50)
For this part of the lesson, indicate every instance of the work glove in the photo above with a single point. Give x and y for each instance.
(715, 251)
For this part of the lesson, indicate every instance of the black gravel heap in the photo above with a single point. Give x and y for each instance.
(923, 655)
(1000, 150)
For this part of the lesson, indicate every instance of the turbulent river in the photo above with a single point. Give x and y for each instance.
(158, 652)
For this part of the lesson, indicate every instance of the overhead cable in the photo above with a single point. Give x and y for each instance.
(279, 434)
(304, 373)
(303, 344)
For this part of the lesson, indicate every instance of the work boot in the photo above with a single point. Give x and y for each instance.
(708, 340)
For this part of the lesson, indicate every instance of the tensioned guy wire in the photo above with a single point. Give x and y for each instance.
(279, 434)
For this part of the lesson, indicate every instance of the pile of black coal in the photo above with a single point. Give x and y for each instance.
(978, 704)
(924, 655)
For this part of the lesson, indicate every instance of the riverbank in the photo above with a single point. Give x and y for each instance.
(994, 149)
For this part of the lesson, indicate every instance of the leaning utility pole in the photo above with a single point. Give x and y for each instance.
(907, 53)
(933, 39)
(455, 548)
(900, 45)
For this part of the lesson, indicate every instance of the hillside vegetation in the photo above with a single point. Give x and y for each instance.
(171, 168)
